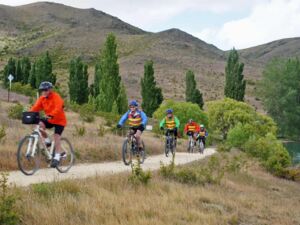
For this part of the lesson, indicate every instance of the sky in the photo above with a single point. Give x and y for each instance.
(223, 23)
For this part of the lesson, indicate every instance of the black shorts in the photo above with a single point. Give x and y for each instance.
(140, 128)
(58, 129)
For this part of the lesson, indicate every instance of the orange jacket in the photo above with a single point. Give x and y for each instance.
(53, 105)
(193, 126)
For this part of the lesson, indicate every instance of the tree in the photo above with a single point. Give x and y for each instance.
(280, 93)
(95, 88)
(78, 81)
(19, 74)
(192, 94)
(43, 70)
(10, 68)
(32, 77)
(151, 94)
(235, 84)
(110, 79)
(122, 100)
(26, 67)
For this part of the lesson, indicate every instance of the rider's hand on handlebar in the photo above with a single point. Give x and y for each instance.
(119, 126)
(47, 117)
(161, 128)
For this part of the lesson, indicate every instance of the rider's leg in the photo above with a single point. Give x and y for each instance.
(138, 138)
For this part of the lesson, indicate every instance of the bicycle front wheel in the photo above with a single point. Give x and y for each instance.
(67, 158)
(28, 158)
(126, 152)
(167, 150)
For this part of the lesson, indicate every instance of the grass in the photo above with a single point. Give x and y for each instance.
(246, 197)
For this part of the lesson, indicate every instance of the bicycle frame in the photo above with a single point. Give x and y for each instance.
(32, 147)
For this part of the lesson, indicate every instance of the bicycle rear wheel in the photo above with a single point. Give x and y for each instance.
(67, 158)
(28, 163)
(126, 152)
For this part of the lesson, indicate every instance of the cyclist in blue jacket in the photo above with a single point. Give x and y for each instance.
(137, 121)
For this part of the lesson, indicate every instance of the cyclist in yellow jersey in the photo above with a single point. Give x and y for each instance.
(171, 123)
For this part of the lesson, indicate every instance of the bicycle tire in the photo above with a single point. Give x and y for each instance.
(20, 157)
(201, 147)
(142, 154)
(125, 151)
(167, 150)
(70, 155)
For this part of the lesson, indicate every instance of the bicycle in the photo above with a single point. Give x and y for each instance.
(32, 146)
(130, 149)
(201, 144)
(191, 144)
(170, 144)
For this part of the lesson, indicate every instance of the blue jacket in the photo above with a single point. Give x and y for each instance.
(125, 117)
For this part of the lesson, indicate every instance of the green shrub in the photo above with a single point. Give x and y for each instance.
(15, 112)
(79, 131)
(270, 151)
(86, 113)
(2, 133)
(9, 214)
(224, 115)
(23, 89)
(183, 111)
(138, 176)
(239, 135)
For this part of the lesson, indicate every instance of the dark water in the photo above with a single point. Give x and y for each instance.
(294, 150)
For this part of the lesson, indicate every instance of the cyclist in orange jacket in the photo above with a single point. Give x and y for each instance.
(192, 129)
(53, 105)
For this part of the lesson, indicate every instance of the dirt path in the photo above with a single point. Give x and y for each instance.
(14, 97)
(88, 170)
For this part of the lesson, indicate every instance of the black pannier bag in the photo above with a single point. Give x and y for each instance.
(30, 117)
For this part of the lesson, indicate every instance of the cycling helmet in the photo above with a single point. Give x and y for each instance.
(190, 120)
(169, 111)
(45, 86)
(133, 103)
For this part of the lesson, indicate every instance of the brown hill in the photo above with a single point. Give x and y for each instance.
(67, 32)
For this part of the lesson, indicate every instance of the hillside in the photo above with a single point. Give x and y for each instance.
(67, 32)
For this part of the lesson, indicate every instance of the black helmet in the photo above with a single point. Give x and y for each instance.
(45, 86)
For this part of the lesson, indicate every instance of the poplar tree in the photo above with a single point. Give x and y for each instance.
(235, 85)
(192, 94)
(151, 94)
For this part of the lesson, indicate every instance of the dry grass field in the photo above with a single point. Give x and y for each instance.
(250, 196)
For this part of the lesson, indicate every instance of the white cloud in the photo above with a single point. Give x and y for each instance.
(268, 21)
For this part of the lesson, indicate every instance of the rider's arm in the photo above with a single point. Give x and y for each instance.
(144, 118)
(37, 106)
(123, 119)
(177, 122)
(197, 128)
(206, 133)
(185, 128)
(162, 122)
(58, 106)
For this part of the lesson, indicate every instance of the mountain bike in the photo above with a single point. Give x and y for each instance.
(201, 144)
(191, 144)
(170, 144)
(130, 148)
(32, 147)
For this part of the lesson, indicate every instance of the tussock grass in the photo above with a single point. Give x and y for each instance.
(245, 197)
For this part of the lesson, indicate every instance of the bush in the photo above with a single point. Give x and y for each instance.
(224, 115)
(15, 112)
(275, 158)
(183, 111)
(8, 212)
(86, 113)
(79, 131)
(2, 133)
(138, 176)
(23, 89)
(239, 135)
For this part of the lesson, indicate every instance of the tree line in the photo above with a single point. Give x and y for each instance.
(107, 93)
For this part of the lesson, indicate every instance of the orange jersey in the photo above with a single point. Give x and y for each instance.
(53, 106)
(193, 126)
